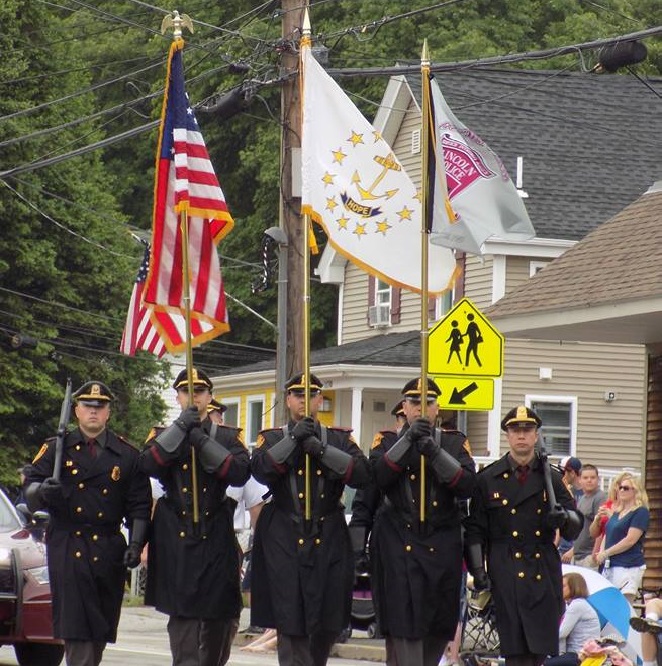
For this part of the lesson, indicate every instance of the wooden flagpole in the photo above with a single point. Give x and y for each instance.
(425, 231)
(176, 22)
(305, 40)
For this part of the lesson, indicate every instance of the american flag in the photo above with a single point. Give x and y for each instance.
(185, 182)
(139, 332)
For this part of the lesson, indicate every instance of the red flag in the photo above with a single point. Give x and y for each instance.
(139, 333)
(185, 181)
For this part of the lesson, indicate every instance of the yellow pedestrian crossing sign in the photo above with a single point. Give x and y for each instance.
(465, 393)
(465, 343)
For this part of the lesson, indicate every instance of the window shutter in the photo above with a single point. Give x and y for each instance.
(371, 296)
(432, 307)
(395, 305)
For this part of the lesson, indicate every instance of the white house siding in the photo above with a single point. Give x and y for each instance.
(609, 434)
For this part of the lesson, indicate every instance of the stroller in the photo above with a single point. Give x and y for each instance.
(363, 609)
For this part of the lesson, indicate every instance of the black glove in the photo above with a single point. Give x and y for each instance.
(427, 446)
(303, 429)
(188, 419)
(132, 555)
(481, 580)
(313, 447)
(197, 437)
(556, 518)
(420, 429)
(51, 491)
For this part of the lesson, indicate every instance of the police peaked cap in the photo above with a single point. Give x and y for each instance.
(412, 389)
(93, 394)
(295, 384)
(199, 379)
(520, 414)
(398, 409)
(216, 406)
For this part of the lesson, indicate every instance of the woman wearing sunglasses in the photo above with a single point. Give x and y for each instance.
(623, 553)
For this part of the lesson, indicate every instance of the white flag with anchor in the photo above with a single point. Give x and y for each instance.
(356, 189)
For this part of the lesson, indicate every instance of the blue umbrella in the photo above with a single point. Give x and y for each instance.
(612, 608)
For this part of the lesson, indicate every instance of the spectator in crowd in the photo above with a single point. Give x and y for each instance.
(570, 468)
(580, 622)
(581, 552)
(597, 527)
(651, 628)
(512, 524)
(623, 552)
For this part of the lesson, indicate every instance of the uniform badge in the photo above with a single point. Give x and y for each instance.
(42, 450)
(467, 447)
(259, 441)
(115, 474)
(377, 440)
(69, 463)
(495, 495)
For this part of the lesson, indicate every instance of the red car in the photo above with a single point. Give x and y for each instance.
(25, 593)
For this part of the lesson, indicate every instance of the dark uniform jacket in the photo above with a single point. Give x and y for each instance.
(85, 545)
(194, 571)
(302, 574)
(523, 564)
(417, 567)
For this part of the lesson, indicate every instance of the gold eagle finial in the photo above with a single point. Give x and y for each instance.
(176, 22)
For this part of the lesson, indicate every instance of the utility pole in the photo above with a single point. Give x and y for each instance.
(290, 201)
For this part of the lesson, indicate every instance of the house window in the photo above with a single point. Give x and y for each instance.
(536, 266)
(559, 419)
(254, 418)
(231, 414)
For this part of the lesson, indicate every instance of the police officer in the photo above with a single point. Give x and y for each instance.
(303, 569)
(100, 485)
(193, 568)
(366, 501)
(417, 565)
(512, 525)
(215, 411)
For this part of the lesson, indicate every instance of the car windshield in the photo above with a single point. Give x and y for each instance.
(8, 518)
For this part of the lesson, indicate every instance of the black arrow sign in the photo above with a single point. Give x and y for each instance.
(457, 397)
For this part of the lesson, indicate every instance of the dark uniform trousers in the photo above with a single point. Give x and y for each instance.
(83, 653)
(305, 650)
(195, 642)
(404, 651)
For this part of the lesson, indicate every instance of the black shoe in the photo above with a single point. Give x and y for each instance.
(253, 630)
(645, 626)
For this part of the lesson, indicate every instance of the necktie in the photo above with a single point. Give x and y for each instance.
(521, 472)
(92, 447)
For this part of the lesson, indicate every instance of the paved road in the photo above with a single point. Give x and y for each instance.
(143, 641)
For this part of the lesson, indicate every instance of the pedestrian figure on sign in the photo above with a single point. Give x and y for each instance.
(475, 338)
(455, 338)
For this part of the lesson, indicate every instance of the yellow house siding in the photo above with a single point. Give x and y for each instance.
(586, 371)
